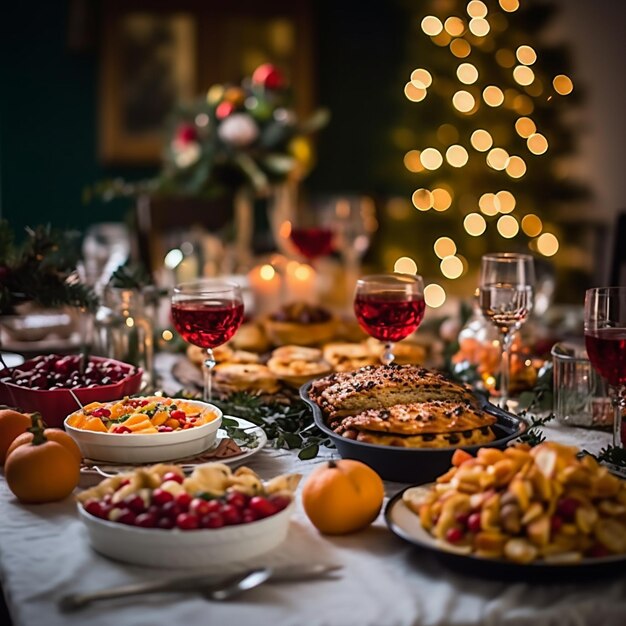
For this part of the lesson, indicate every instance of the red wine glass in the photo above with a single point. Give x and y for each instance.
(207, 313)
(389, 307)
(605, 340)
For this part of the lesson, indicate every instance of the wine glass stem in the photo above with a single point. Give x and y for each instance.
(387, 356)
(505, 367)
(619, 403)
(209, 364)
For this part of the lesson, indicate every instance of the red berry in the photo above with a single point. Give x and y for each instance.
(146, 520)
(555, 523)
(214, 506)
(566, 508)
(280, 502)
(94, 507)
(454, 535)
(135, 503)
(160, 496)
(231, 515)
(249, 516)
(124, 482)
(178, 415)
(462, 518)
(166, 523)
(237, 499)
(199, 507)
(106, 499)
(212, 520)
(261, 506)
(473, 523)
(187, 521)
(172, 475)
(183, 500)
(268, 76)
(101, 412)
(170, 509)
(128, 517)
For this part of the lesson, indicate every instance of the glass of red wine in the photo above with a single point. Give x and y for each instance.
(207, 313)
(389, 307)
(605, 340)
(309, 234)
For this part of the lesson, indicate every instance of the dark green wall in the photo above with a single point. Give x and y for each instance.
(48, 108)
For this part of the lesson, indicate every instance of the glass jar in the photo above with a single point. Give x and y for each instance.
(124, 332)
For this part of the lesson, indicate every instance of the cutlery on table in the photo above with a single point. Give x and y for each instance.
(221, 589)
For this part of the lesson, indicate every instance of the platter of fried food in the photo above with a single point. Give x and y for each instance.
(522, 507)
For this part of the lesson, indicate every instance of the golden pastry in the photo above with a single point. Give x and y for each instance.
(300, 323)
(251, 377)
(476, 436)
(251, 338)
(346, 357)
(297, 365)
(405, 352)
(197, 355)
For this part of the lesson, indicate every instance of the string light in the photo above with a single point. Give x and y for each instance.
(493, 96)
(481, 140)
(460, 48)
(467, 73)
(412, 161)
(434, 295)
(405, 265)
(421, 78)
(431, 158)
(463, 101)
(442, 199)
(476, 8)
(474, 224)
(516, 167)
(563, 85)
(457, 155)
(497, 158)
(532, 225)
(508, 226)
(547, 244)
(451, 267)
(526, 55)
(444, 246)
(422, 199)
(479, 27)
(537, 143)
(525, 127)
(432, 25)
(413, 93)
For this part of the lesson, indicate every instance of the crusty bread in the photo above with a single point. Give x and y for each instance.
(474, 437)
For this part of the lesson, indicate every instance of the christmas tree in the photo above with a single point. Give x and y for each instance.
(486, 142)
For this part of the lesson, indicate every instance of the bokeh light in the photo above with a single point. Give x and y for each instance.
(474, 224)
(476, 8)
(547, 244)
(505, 58)
(422, 199)
(442, 199)
(525, 127)
(509, 5)
(421, 78)
(412, 161)
(481, 140)
(537, 143)
(479, 27)
(432, 25)
(444, 246)
(532, 225)
(523, 75)
(506, 201)
(508, 226)
(497, 158)
(526, 55)
(523, 105)
(463, 101)
(563, 85)
(431, 158)
(451, 267)
(493, 96)
(447, 133)
(434, 295)
(405, 265)
(460, 48)
(467, 73)
(488, 204)
(267, 272)
(454, 26)
(457, 155)
(413, 93)
(516, 167)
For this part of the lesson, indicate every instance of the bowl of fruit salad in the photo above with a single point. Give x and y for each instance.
(43, 384)
(145, 429)
(157, 517)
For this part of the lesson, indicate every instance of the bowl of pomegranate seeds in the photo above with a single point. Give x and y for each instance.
(157, 517)
(145, 429)
(43, 384)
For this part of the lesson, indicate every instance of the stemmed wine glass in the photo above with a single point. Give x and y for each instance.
(605, 340)
(389, 307)
(207, 313)
(506, 299)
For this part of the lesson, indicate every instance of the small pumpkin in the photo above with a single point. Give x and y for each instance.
(12, 424)
(43, 470)
(341, 497)
(51, 434)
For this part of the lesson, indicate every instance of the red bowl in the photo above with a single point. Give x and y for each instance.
(56, 404)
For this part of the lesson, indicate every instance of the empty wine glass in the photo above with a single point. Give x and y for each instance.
(506, 299)
(605, 340)
(389, 307)
(207, 313)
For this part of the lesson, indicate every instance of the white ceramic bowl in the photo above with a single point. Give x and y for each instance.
(138, 448)
(210, 547)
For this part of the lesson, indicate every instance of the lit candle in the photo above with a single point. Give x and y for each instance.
(300, 280)
(265, 284)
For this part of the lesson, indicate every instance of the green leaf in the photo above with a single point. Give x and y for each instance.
(310, 452)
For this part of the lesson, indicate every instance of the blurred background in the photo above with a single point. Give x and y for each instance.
(89, 88)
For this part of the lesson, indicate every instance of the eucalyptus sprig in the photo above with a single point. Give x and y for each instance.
(533, 435)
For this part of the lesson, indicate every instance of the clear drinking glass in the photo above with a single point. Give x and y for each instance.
(605, 340)
(207, 313)
(389, 307)
(506, 299)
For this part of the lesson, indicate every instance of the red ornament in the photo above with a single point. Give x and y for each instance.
(186, 133)
(224, 109)
(268, 76)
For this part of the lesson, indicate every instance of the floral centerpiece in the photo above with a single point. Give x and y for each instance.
(237, 136)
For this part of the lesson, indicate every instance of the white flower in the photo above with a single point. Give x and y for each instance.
(187, 155)
(238, 130)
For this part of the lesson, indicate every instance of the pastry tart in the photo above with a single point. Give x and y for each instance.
(297, 365)
(250, 377)
(300, 323)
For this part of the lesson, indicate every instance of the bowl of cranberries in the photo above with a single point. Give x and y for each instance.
(171, 525)
(43, 384)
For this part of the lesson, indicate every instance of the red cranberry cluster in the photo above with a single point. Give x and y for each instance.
(54, 371)
(161, 509)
